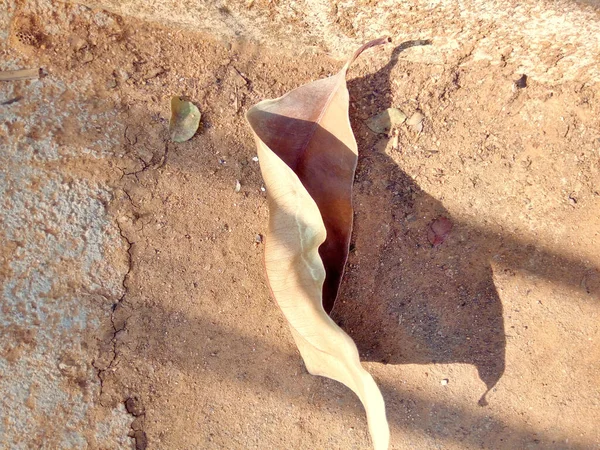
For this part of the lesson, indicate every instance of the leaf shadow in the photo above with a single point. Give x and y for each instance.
(206, 348)
(404, 302)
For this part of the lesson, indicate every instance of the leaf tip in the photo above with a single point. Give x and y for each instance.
(374, 43)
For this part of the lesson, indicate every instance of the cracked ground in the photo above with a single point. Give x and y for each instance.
(135, 311)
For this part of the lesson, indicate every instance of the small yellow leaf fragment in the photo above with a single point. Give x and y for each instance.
(185, 120)
(385, 121)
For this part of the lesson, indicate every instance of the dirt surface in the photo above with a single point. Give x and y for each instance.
(553, 40)
(489, 340)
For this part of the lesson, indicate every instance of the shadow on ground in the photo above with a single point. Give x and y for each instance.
(419, 304)
(437, 420)
(415, 305)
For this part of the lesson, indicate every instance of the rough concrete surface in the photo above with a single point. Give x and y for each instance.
(134, 311)
(62, 266)
(549, 40)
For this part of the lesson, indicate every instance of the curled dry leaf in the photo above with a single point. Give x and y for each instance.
(308, 155)
(185, 120)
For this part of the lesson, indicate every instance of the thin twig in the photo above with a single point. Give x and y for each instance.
(23, 74)
(12, 100)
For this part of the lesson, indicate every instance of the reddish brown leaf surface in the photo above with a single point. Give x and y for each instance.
(309, 130)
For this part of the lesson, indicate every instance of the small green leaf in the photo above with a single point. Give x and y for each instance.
(185, 120)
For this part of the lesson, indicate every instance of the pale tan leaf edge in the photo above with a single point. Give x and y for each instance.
(296, 275)
(341, 78)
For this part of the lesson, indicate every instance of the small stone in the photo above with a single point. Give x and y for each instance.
(238, 186)
(77, 43)
(137, 424)
(439, 230)
(255, 158)
(444, 382)
(385, 121)
(258, 239)
(521, 83)
(134, 406)
(395, 143)
(87, 57)
(121, 74)
(141, 441)
(416, 122)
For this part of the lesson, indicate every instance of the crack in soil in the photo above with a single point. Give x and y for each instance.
(137, 425)
(113, 360)
(155, 163)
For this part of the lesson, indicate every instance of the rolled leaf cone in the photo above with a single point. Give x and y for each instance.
(308, 156)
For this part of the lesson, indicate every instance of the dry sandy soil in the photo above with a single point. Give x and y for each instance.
(489, 340)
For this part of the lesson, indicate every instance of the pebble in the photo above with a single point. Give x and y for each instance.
(134, 406)
(87, 57)
(444, 382)
(238, 186)
(521, 83)
(77, 43)
(416, 122)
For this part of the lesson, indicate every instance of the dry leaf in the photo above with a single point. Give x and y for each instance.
(308, 155)
(185, 120)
